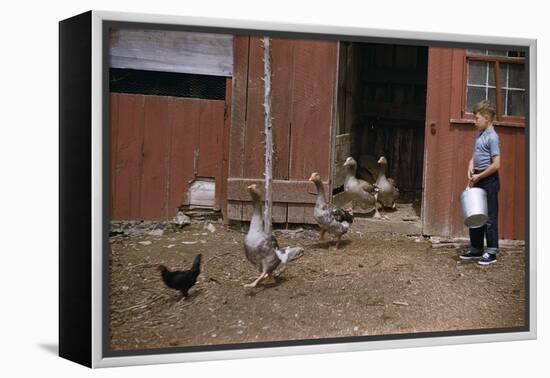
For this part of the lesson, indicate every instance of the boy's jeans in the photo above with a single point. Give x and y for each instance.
(491, 185)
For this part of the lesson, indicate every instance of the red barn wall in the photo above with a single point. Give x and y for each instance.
(153, 144)
(304, 82)
(449, 145)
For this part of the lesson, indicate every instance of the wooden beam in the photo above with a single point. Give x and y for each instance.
(172, 51)
(293, 191)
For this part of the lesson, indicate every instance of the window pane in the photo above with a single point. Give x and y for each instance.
(477, 72)
(477, 51)
(475, 95)
(516, 103)
(504, 101)
(512, 76)
(516, 54)
(504, 75)
(494, 52)
(517, 76)
(497, 52)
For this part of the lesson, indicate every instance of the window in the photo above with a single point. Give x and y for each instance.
(497, 76)
(481, 83)
(512, 88)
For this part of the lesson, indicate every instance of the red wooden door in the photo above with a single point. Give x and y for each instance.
(304, 81)
(438, 200)
(158, 146)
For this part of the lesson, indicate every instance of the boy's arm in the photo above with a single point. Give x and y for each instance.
(471, 168)
(493, 168)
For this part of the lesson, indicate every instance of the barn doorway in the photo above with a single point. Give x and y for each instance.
(381, 110)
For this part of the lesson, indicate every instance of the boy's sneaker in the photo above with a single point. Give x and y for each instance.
(488, 258)
(471, 255)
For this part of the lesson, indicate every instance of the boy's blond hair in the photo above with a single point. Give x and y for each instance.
(485, 108)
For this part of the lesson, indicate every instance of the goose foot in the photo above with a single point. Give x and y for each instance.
(260, 277)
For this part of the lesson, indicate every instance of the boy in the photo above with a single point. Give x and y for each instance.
(483, 173)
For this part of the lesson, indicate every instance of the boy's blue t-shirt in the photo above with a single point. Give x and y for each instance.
(486, 146)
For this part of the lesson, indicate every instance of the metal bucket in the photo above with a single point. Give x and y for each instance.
(474, 207)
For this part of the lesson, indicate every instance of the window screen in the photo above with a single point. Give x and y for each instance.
(166, 84)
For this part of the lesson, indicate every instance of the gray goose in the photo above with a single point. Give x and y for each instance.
(261, 249)
(330, 218)
(387, 190)
(358, 190)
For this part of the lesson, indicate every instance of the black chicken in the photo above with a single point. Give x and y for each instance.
(182, 280)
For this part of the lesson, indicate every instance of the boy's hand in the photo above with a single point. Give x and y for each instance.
(470, 173)
(475, 178)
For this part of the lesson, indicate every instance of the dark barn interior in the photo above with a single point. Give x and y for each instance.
(382, 107)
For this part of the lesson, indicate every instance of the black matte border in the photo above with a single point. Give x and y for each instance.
(75, 190)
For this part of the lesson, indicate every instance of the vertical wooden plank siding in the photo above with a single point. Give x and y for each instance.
(184, 141)
(512, 179)
(304, 81)
(463, 153)
(127, 166)
(153, 156)
(282, 64)
(254, 126)
(238, 118)
(438, 154)
(282, 56)
(519, 218)
(221, 189)
(238, 106)
(313, 98)
(155, 161)
(113, 132)
(462, 139)
(211, 122)
(509, 176)
(312, 106)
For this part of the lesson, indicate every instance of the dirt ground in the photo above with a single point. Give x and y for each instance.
(375, 284)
